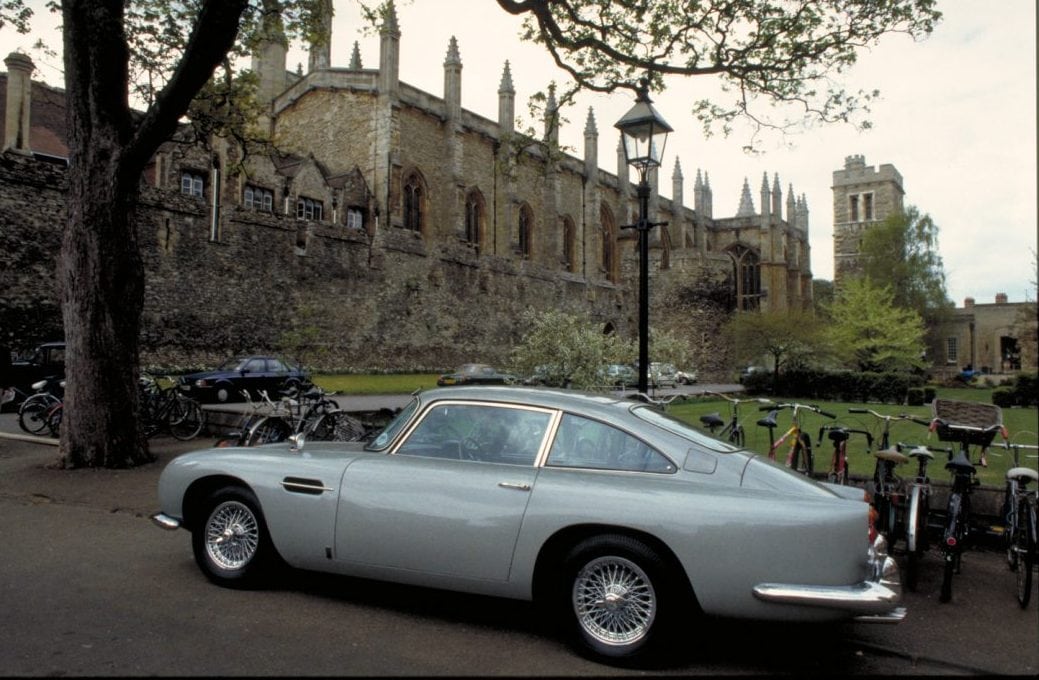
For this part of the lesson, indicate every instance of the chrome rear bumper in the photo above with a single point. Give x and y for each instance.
(875, 600)
(164, 521)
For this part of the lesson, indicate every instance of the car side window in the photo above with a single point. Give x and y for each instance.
(276, 366)
(476, 432)
(584, 443)
(255, 366)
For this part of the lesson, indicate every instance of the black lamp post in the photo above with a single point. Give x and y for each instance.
(644, 133)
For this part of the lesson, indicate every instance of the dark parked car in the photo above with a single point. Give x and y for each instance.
(47, 361)
(476, 374)
(254, 373)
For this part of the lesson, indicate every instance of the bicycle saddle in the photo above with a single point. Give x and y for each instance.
(712, 420)
(921, 452)
(892, 455)
(960, 462)
(1023, 474)
(838, 435)
(769, 420)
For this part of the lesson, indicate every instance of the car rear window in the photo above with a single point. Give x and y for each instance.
(683, 429)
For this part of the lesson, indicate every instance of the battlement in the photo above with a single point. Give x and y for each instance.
(856, 171)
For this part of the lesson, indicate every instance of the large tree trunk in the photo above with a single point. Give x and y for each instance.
(100, 269)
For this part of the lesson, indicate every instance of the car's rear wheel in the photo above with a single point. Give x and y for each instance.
(231, 543)
(619, 595)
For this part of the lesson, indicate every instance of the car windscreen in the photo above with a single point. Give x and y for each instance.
(683, 429)
(390, 432)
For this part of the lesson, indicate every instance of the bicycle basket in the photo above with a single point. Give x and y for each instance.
(969, 414)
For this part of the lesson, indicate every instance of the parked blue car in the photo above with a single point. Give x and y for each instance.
(253, 373)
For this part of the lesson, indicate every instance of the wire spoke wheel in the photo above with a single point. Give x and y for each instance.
(232, 535)
(614, 600)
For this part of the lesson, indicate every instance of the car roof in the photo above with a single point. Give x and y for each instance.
(567, 400)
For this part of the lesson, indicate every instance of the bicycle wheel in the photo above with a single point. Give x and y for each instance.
(952, 545)
(916, 534)
(54, 414)
(802, 460)
(268, 431)
(1010, 525)
(738, 436)
(1026, 538)
(32, 416)
(336, 426)
(186, 419)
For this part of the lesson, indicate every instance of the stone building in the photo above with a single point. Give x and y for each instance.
(997, 337)
(862, 196)
(990, 338)
(394, 229)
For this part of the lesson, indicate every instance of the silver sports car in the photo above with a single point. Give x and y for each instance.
(625, 522)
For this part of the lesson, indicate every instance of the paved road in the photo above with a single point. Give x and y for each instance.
(88, 586)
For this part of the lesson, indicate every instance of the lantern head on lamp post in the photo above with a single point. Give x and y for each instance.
(644, 133)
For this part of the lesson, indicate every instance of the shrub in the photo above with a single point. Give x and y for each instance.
(1026, 389)
(915, 396)
(929, 394)
(1003, 397)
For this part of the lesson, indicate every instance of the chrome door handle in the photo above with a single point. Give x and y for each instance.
(513, 485)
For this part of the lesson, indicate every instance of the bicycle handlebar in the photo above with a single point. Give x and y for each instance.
(901, 416)
(796, 407)
(849, 430)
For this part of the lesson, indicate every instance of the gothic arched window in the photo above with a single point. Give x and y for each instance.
(608, 237)
(474, 218)
(414, 202)
(569, 241)
(747, 273)
(526, 230)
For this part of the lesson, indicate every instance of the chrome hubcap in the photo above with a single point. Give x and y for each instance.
(614, 601)
(232, 535)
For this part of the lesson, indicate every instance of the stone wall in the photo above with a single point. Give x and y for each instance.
(349, 304)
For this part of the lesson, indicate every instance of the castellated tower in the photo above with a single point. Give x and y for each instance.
(862, 196)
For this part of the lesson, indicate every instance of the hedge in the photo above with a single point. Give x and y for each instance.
(837, 385)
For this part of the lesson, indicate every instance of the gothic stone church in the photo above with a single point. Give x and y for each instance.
(392, 230)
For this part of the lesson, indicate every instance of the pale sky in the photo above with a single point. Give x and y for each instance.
(957, 119)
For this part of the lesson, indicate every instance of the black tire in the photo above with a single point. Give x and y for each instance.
(643, 592)
(186, 419)
(336, 426)
(1011, 523)
(1026, 537)
(738, 437)
(947, 573)
(54, 416)
(915, 548)
(231, 543)
(268, 430)
(32, 414)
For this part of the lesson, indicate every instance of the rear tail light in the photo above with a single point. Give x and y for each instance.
(951, 541)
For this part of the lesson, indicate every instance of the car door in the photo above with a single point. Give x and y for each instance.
(450, 499)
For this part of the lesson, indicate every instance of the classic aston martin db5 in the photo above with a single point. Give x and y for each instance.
(625, 522)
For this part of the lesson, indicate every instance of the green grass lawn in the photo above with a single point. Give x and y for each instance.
(402, 383)
(1020, 422)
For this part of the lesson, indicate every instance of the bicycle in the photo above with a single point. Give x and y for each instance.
(314, 415)
(661, 403)
(918, 507)
(33, 412)
(166, 409)
(888, 488)
(968, 423)
(1019, 512)
(733, 430)
(839, 435)
(799, 457)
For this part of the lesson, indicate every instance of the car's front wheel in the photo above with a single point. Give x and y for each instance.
(231, 543)
(619, 594)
